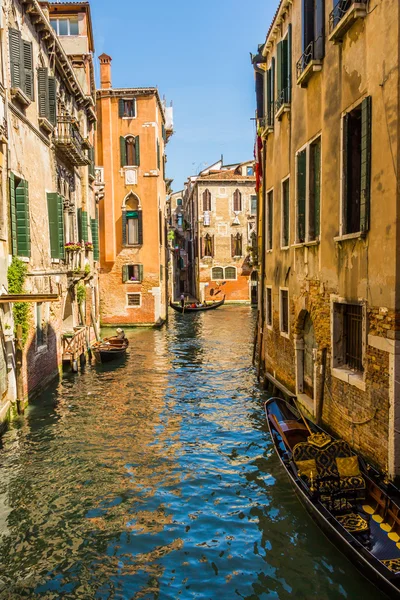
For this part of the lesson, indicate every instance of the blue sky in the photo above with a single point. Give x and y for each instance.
(197, 54)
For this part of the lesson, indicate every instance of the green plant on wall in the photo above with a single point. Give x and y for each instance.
(16, 278)
(81, 294)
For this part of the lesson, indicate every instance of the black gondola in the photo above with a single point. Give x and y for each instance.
(188, 309)
(349, 500)
(110, 349)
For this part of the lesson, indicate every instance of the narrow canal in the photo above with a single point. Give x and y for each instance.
(155, 478)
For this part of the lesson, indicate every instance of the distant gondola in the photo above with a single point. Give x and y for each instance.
(110, 348)
(188, 309)
(352, 503)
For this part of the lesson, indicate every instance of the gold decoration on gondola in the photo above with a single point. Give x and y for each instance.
(319, 439)
(353, 523)
(395, 537)
(393, 564)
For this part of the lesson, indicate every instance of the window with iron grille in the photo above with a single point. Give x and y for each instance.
(348, 336)
(230, 273)
(284, 316)
(217, 273)
(269, 307)
(134, 300)
(253, 205)
(236, 245)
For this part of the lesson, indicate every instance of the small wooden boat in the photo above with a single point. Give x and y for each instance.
(189, 309)
(357, 509)
(110, 348)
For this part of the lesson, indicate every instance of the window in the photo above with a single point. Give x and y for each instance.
(340, 8)
(20, 218)
(158, 155)
(237, 201)
(308, 192)
(356, 168)
(348, 336)
(47, 96)
(217, 273)
(134, 300)
(127, 108)
(206, 200)
(230, 272)
(313, 30)
(253, 205)
(132, 273)
(133, 234)
(21, 63)
(236, 241)
(270, 94)
(270, 218)
(285, 213)
(268, 306)
(208, 246)
(284, 311)
(65, 26)
(94, 226)
(249, 171)
(179, 220)
(284, 59)
(179, 202)
(55, 210)
(130, 151)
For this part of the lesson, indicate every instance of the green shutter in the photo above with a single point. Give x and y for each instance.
(137, 151)
(301, 195)
(124, 273)
(95, 238)
(273, 95)
(52, 209)
(23, 221)
(85, 236)
(60, 212)
(43, 95)
(15, 58)
(124, 224)
(140, 227)
(366, 122)
(13, 216)
(52, 95)
(122, 146)
(279, 52)
(289, 63)
(121, 108)
(28, 68)
(316, 148)
(141, 273)
(164, 137)
(158, 155)
(80, 231)
(268, 97)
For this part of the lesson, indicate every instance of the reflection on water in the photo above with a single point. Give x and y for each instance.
(154, 478)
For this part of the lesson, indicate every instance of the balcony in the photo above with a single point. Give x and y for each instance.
(343, 16)
(69, 141)
(308, 64)
(282, 104)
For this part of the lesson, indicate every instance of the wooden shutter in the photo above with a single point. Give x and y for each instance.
(124, 273)
(158, 155)
(95, 238)
(279, 52)
(52, 210)
(273, 95)
(23, 221)
(288, 45)
(164, 137)
(269, 97)
(140, 273)
(137, 151)
(28, 68)
(15, 58)
(122, 147)
(52, 94)
(366, 123)
(301, 195)
(13, 216)
(140, 227)
(232, 245)
(307, 19)
(121, 108)
(260, 95)
(83, 225)
(212, 245)
(345, 175)
(240, 245)
(43, 93)
(315, 192)
(60, 206)
(124, 224)
(319, 26)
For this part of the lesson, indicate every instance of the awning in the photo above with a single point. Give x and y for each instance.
(6, 298)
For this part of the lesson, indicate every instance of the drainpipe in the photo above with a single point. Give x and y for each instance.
(262, 270)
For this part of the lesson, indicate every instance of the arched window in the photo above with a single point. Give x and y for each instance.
(230, 272)
(237, 201)
(236, 241)
(208, 245)
(130, 151)
(217, 273)
(206, 200)
(132, 223)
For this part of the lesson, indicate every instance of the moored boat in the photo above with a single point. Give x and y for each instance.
(356, 509)
(110, 348)
(192, 309)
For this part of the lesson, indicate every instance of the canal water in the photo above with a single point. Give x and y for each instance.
(154, 478)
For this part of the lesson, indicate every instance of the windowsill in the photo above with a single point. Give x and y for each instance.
(306, 244)
(284, 334)
(133, 307)
(349, 236)
(315, 66)
(285, 247)
(269, 251)
(24, 259)
(20, 96)
(351, 377)
(356, 11)
(132, 245)
(128, 118)
(269, 327)
(283, 109)
(45, 124)
(130, 282)
(266, 131)
(130, 167)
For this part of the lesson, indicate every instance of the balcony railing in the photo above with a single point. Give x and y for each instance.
(69, 141)
(341, 9)
(282, 100)
(309, 61)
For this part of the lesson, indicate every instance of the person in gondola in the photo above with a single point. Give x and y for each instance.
(183, 300)
(120, 333)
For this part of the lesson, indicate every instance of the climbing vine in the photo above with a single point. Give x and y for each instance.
(16, 278)
(81, 293)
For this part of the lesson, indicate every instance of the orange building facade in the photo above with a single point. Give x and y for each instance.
(133, 129)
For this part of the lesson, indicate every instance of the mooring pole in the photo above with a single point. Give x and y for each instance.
(19, 363)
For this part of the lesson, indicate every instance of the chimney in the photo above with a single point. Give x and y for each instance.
(105, 71)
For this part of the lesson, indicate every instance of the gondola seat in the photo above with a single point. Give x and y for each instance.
(337, 469)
